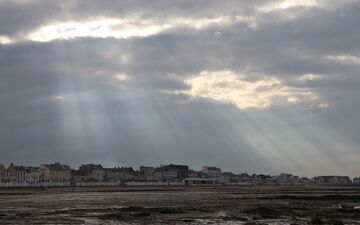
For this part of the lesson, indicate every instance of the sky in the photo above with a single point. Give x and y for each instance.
(260, 86)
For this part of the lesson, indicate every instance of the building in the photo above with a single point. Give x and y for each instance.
(77, 176)
(147, 173)
(212, 172)
(272, 180)
(92, 172)
(32, 175)
(196, 174)
(147, 169)
(258, 179)
(170, 173)
(3, 173)
(226, 178)
(244, 179)
(55, 172)
(16, 173)
(331, 180)
(146, 176)
(117, 174)
(215, 173)
(285, 178)
(304, 181)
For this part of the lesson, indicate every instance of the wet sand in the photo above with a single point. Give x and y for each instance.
(181, 205)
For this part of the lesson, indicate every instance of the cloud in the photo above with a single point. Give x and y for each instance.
(350, 59)
(139, 82)
(309, 77)
(287, 4)
(229, 87)
(120, 28)
(42, 20)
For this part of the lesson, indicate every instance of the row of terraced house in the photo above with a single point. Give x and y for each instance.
(57, 172)
(165, 174)
(27, 174)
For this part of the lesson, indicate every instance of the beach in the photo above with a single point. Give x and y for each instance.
(248, 205)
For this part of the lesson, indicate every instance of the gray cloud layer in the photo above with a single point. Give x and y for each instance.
(127, 100)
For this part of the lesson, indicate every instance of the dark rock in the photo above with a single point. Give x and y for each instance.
(234, 218)
(133, 209)
(349, 207)
(22, 214)
(316, 220)
(336, 222)
(265, 212)
(254, 223)
(256, 217)
(167, 210)
(112, 216)
(142, 214)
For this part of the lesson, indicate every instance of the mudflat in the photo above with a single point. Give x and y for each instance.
(248, 205)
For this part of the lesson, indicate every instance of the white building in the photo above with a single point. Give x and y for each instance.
(211, 171)
(32, 175)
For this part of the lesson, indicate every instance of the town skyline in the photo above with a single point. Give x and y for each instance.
(197, 167)
(138, 168)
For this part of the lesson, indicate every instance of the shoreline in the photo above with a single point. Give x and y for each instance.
(179, 188)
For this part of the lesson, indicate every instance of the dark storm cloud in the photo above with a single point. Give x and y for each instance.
(277, 46)
(123, 101)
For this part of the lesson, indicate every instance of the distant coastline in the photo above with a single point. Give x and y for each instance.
(62, 175)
